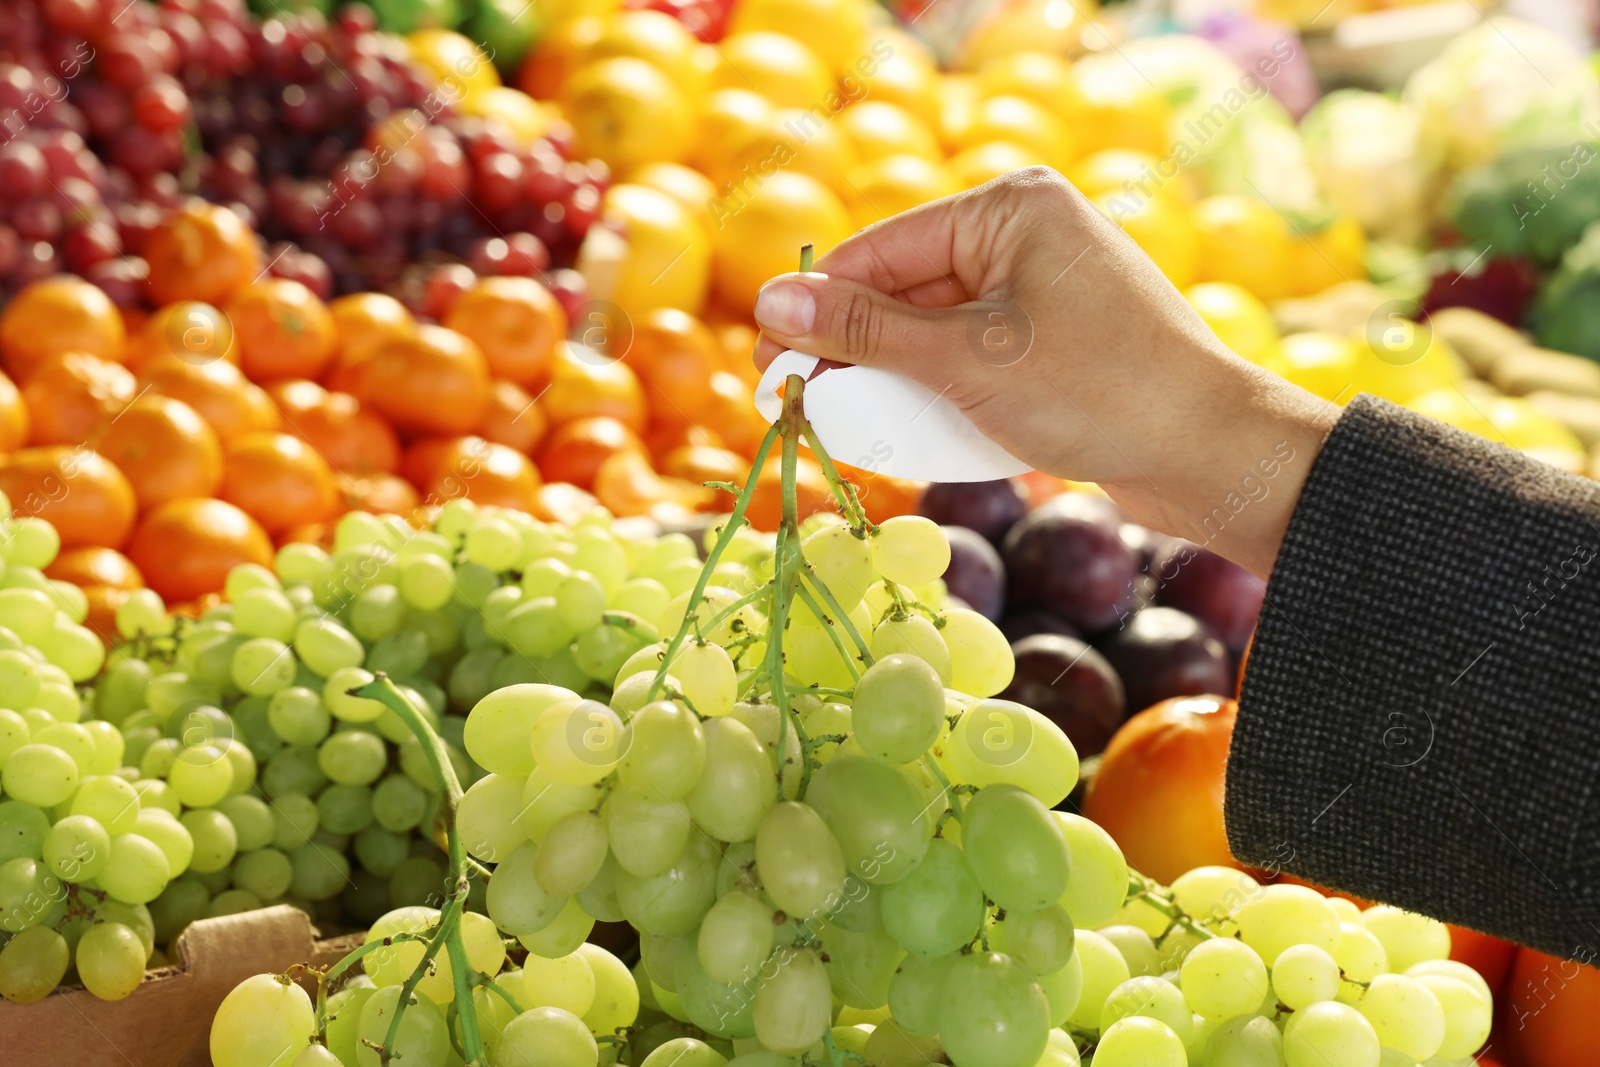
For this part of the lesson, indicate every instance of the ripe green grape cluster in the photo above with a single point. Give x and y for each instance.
(1221, 970)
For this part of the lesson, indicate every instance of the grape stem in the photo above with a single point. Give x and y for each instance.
(949, 790)
(1149, 891)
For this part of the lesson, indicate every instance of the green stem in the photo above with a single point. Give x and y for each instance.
(949, 790)
(494, 987)
(833, 633)
(843, 492)
(1149, 891)
(787, 562)
(744, 601)
(839, 613)
(724, 539)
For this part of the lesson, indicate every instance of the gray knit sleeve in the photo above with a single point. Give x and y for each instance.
(1420, 717)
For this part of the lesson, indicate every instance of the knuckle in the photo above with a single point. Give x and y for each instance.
(860, 325)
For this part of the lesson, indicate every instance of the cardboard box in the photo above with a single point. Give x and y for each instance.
(167, 1021)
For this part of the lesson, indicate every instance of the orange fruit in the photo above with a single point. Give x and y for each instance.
(515, 322)
(986, 162)
(763, 237)
(88, 565)
(730, 407)
(56, 315)
(776, 66)
(204, 252)
(165, 448)
(1321, 259)
(1045, 25)
(104, 600)
(217, 390)
(627, 112)
(812, 493)
(655, 37)
(77, 490)
(574, 451)
(561, 50)
(365, 320)
(513, 419)
(279, 479)
(484, 472)
(1019, 120)
(906, 80)
(674, 355)
(195, 332)
(284, 330)
(730, 119)
(434, 382)
(627, 485)
(582, 388)
(704, 463)
(666, 436)
(562, 502)
(70, 394)
(337, 427)
(14, 426)
(1044, 78)
(689, 187)
(185, 548)
(378, 493)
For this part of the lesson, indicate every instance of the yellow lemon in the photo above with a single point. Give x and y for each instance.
(1242, 322)
(561, 50)
(527, 119)
(1119, 109)
(1530, 430)
(777, 67)
(658, 39)
(1019, 120)
(1034, 25)
(1320, 363)
(878, 129)
(684, 184)
(1039, 76)
(760, 236)
(1321, 259)
(1452, 407)
(985, 162)
(835, 30)
(668, 257)
(909, 82)
(1245, 241)
(459, 66)
(558, 12)
(1398, 359)
(885, 187)
(731, 120)
(958, 100)
(626, 112)
(1165, 232)
(1124, 170)
(821, 149)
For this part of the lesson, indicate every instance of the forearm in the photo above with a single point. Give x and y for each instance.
(1419, 720)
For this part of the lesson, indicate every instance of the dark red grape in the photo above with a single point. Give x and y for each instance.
(227, 49)
(88, 244)
(526, 255)
(17, 85)
(1056, 558)
(352, 19)
(443, 287)
(161, 104)
(128, 60)
(36, 220)
(1032, 621)
(10, 249)
(990, 508)
(136, 221)
(1164, 652)
(570, 288)
(582, 209)
(71, 16)
(1073, 685)
(975, 574)
(22, 171)
(1214, 590)
(1143, 542)
(37, 261)
(104, 107)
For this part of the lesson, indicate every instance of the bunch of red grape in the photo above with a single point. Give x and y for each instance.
(322, 134)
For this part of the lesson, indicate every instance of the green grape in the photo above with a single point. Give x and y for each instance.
(266, 872)
(23, 828)
(876, 815)
(912, 635)
(793, 1006)
(657, 553)
(1303, 975)
(646, 833)
(602, 555)
(599, 897)
(1002, 742)
(246, 578)
(32, 964)
(344, 1018)
(1139, 1042)
(685, 1052)
(910, 549)
(1039, 940)
(644, 597)
(842, 561)
(264, 612)
(1210, 894)
(706, 677)
(992, 1012)
(142, 614)
(801, 864)
(680, 575)
(14, 733)
(500, 724)
(109, 800)
(916, 990)
(422, 1040)
(353, 757)
(487, 817)
(486, 952)
(169, 835)
(336, 695)
(294, 819)
(232, 902)
(380, 851)
(320, 871)
(1062, 990)
(120, 691)
(547, 1036)
(1152, 998)
(33, 542)
(296, 714)
(262, 1022)
(27, 612)
(77, 848)
(665, 751)
(515, 901)
(73, 739)
(498, 605)
(1015, 847)
(1104, 970)
(578, 743)
(938, 907)
(674, 901)
(735, 938)
(263, 665)
(1467, 1015)
(344, 809)
(1329, 1034)
(1283, 915)
(1246, 1040)
(535, 627)
(39, 774)
(398, 803)
(201, 776)
(60, 700)
(182, 902)
(294, 771)
(1223, 978)
(545, 802)
(215, 839)
(393, 964)
(376, 612)
(1405, 1015)
(109, 746)
(601, 651)
(473, 583)
(861, 966)
(427, 582)
(159, 757)
(110, 960)
(472, 678)
(136, 869)
(76, 649)
(243, 762)
(898, 709)
(563, 936)
(573, 851)
(980, 658)
(580, 601)
(1407, 938)
(325, 646)
(401, 654)
(493, 542)
(734, 788)
(1361, 958)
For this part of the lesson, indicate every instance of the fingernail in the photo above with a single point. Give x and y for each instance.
(786, 307)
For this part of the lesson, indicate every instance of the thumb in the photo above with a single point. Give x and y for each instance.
(852, 323)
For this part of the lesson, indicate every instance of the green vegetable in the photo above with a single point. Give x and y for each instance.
(403, 16)
(506, 29)
(1533, 202)
(1563, 316)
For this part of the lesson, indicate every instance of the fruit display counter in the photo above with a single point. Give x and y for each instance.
(389, 540)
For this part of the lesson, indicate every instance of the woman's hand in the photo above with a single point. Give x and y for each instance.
(1063, 342)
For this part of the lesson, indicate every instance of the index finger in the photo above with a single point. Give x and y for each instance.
(901, 252)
